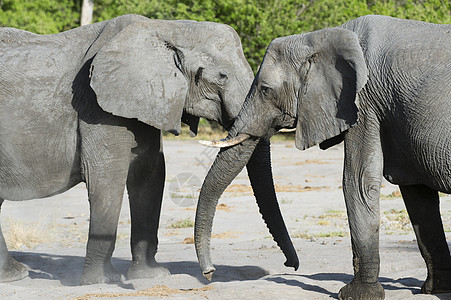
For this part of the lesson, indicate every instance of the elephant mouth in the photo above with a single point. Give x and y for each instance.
(192, 122)
(227, 125)
(286, 124)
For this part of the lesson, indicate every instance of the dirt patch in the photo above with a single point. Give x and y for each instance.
(172, 233)
(226, 235)
(239, 190)
(188, 240)
(156, 291)
(311, 161)
(223, 207)
(222, 235)
(298, 188)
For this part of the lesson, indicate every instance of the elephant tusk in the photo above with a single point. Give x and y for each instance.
(286, 130)
(225, 142)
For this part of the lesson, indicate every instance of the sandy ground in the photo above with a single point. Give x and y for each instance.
(49, 236)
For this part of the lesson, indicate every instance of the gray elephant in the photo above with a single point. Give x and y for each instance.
(88, 105)
(381, 84)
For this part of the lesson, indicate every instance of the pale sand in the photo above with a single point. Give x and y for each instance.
(249, 264)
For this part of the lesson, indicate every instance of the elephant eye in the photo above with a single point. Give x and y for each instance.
(223, 76)
(265, 90)
(313, 58)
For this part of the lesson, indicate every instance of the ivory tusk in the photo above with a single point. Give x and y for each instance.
(286, 130)
(226, 142)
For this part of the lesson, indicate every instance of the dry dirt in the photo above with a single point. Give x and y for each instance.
(49, 237)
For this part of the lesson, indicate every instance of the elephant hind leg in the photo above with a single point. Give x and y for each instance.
(10, 269)
(422, 204)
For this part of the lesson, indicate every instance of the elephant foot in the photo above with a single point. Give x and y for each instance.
(13, 270)
(139, 270)
(439, 282)
(106, 274)
(362, 291)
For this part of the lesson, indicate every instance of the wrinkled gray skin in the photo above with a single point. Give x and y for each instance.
(384, 86)
(88, 105)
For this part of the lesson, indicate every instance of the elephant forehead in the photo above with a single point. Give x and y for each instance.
(288, 53)
(288, 44)
(272, 73)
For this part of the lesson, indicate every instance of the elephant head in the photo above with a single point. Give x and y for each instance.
(164, 72)
(308, 82)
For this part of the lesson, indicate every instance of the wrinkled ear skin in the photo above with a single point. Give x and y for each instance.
(135, 75)
(327, 101)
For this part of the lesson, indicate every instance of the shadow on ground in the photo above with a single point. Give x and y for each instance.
(411, 284)
(68, 268)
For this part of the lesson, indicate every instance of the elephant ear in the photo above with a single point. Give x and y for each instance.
(137, 74)
(327, 103)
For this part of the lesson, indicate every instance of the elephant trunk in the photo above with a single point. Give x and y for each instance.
(227, 165)
(260, 176)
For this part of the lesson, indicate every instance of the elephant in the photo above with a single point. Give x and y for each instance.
(387, 95)
(89, 105)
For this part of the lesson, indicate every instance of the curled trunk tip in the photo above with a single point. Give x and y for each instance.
(225, 142)
(209, 274)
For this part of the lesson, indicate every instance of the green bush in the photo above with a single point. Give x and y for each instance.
(256, 21)
(260, 21)
(40, 16)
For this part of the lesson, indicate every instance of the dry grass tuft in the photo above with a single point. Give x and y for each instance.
(19, 235)
(394, 195)
(396, 221)
(313, 236)
(184, 223)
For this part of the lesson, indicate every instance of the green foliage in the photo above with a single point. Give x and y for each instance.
(260, 21)
(43, 16)
(256, 21)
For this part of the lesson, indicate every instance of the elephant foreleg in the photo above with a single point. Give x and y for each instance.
(422, 204)
(104, 218)
(10, 269)
(105, 158)
(361, 186)
(145, 185)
